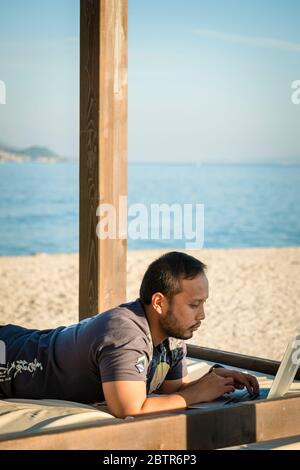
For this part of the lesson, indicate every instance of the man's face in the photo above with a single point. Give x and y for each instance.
(184, 314)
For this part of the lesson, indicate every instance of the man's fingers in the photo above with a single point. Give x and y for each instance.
(241, 380)
(254, 383)
(239, 385)
(228, 385)
(229, 388)
(250, 383)
(247, 384)
(228, 380)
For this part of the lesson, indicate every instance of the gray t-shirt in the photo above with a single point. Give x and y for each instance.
(71, 363)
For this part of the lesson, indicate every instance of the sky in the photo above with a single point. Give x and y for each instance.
(208, 81)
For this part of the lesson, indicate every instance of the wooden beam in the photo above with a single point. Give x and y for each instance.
(103, 150)
(191, 429)
(258, 364)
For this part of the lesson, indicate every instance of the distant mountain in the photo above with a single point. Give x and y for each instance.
(33, 153)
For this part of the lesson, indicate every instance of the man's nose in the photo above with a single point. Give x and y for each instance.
(200, 314)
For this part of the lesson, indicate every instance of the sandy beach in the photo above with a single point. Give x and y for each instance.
(254, 304)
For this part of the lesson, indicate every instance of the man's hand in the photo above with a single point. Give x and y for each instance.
(207, 388)
(240, 379)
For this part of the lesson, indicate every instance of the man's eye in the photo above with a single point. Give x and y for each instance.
(194, 306)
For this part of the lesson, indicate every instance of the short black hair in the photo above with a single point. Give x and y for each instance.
(166, 273)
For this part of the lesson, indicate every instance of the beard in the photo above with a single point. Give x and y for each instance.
(172, 327)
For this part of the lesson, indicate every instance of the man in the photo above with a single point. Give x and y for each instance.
(124, 354)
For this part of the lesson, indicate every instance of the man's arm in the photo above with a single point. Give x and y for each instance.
(129, 398)
(176, 385)
(173, 386)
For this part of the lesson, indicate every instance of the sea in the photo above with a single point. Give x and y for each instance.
(244, 205)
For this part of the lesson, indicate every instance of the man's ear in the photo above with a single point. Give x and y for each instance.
(159, 303)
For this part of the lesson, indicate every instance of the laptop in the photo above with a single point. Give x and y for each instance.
(280, 386)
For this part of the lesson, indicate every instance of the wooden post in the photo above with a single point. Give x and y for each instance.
(103, 150)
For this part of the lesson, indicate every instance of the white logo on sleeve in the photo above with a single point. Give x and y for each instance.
(141, 364)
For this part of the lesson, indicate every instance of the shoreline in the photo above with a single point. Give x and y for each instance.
(158, 250)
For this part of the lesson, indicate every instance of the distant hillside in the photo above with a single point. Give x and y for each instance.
(33, 153)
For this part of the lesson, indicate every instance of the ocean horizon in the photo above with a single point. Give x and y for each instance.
(245, 204)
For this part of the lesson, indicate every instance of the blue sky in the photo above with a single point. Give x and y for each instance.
(208, 81)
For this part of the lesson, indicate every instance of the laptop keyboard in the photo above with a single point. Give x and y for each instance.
(241, 397)
(245, 396)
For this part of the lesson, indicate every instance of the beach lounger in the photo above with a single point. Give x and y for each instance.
(54, 424)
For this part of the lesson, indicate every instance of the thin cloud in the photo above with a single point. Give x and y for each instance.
(250, 40)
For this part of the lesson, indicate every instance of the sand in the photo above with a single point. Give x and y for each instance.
(254, 304)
